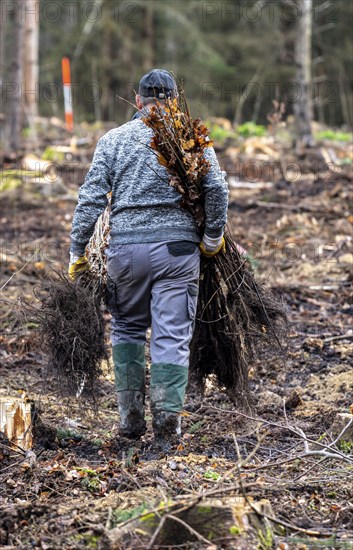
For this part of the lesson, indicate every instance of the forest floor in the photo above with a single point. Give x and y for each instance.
(84, 481)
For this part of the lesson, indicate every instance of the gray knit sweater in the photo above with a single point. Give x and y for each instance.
(144, 207)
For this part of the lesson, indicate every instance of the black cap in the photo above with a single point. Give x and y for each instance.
(158, 83)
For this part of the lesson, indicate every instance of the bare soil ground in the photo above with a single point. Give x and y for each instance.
(84, 480)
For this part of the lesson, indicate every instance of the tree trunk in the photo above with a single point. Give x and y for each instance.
(30, 58)
(12, 99)
(303, 104)
(148, 61)
(106, 61)
(2, 53)
(249, 86)
(2, 80)
(346, 105)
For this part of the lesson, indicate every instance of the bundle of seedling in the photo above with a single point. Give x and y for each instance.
(70, 323)
(236, 315)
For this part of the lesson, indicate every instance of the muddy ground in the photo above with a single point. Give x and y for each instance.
(84, 481)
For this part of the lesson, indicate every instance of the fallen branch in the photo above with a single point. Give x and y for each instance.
(336, 338)
(291, 207)
(18, 272)
(297, 431)
(271, 518)
(323, 453)
(16, 448)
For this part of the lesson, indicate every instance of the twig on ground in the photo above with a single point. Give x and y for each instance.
(17, 272)
(156, 533)
(323, 453)
(336, 338)
(262, 514)
(109, 518)
(314, 466)
(13, 447)
(341, 434)
(335, 454)
(192, 531)
(292, 207)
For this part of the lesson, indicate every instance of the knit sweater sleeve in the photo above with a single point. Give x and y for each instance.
(216, 196)
(92, 200)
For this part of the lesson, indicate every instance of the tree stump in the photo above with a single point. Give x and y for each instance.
(209, 520)
(16, 420)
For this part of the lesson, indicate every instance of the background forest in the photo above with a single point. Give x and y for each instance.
(234, 57)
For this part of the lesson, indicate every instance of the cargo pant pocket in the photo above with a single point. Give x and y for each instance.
(182, 248)
(192, 293)
(184, 260)
(120, 263)
(112, 297)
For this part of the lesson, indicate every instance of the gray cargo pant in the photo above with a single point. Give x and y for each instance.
(154, 285)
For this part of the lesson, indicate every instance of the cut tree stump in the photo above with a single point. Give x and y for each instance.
(209, 520)
(16, 420)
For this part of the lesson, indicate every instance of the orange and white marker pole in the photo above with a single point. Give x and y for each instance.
(69, 116)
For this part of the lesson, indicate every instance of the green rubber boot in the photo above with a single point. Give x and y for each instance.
(167, 392)
(129, 363)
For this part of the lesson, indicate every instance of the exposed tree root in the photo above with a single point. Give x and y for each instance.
(236, 317)
(71, 331)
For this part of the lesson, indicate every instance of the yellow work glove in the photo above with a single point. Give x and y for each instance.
(79, 266)
(210, 249)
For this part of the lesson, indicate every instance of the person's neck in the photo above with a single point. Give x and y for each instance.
(150, 105)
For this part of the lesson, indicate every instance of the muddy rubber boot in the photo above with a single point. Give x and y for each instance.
(166, 425)
(129, 363)
(132, 414)
(167, 392)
